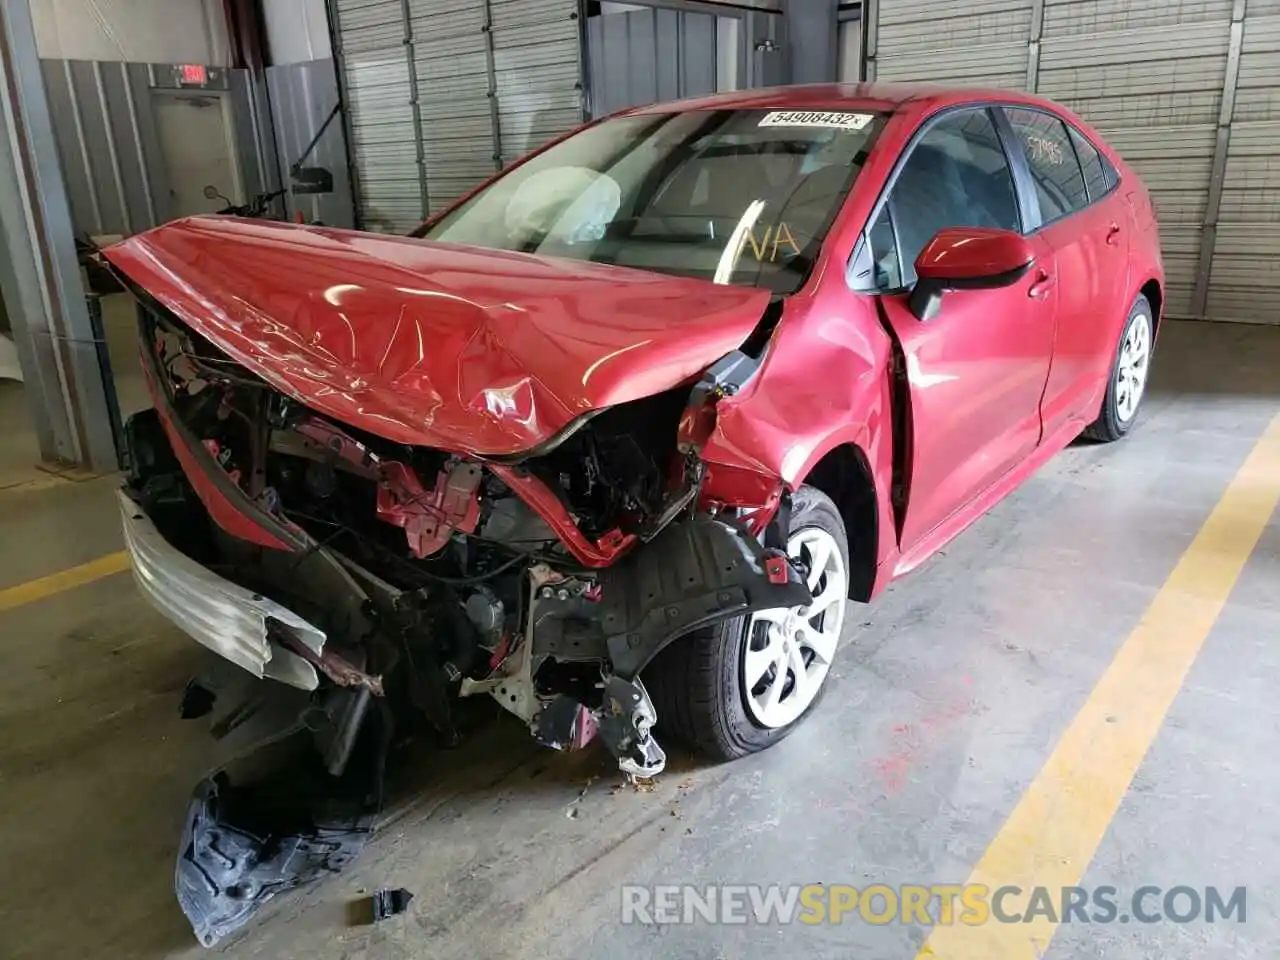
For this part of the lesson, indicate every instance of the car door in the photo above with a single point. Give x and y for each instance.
(1083, 220)
(976, 371)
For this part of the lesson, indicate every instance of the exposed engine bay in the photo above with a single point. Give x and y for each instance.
(413, 576)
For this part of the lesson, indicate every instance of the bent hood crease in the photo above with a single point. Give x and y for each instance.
(472, 350)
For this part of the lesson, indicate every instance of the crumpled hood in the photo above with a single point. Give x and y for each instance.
(471, 350)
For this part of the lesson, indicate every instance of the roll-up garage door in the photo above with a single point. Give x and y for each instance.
(1158, 78)
(381, 119)
(1148, 74)
(441, 93)
(983, 43)
(537, 61)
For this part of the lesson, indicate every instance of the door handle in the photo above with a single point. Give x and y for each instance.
(1040, 288)
(1113, 235)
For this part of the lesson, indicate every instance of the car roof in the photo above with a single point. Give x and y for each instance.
(874, 97)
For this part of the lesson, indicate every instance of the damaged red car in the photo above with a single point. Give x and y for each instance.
(616, 439)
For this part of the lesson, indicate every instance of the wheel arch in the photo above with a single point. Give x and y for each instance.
(844, 474)
(1155, 296)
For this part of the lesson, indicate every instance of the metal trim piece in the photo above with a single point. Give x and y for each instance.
(114, 158)
(1213, 206)
(216, 613)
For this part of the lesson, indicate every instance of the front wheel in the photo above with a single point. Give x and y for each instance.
(1129, 371)
(742, 685)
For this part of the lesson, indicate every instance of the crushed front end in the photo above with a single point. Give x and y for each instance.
(381, 581)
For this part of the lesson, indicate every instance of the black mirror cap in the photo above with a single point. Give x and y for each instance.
(926, 295)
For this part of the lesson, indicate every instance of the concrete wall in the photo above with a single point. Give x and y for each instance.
(140, 31)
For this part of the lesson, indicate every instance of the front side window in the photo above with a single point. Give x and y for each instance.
(956, 175)
(884, 252)
(1054, 168)
(734, 196)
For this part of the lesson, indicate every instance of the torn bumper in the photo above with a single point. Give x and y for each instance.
(228, 866)
(221, 615)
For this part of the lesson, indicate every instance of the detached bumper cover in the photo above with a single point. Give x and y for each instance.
(221, 615)
(227, 868)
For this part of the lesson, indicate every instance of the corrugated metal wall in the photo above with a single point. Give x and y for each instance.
(646, 56)
(111, 158)
(1187, 90)
(440, 93)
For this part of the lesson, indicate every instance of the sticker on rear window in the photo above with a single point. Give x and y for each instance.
(811, 118)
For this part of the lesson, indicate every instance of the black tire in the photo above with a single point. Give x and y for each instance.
(696, 683)
(1110, 426)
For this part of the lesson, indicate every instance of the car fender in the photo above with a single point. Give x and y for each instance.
(823, 384)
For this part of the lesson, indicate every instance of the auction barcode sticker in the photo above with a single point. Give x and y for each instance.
(811, 118)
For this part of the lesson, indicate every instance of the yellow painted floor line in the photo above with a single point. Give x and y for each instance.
(54, 583)
(1053, 832)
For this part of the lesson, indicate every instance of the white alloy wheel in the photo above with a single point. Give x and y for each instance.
(789, 651)
(1131, 371)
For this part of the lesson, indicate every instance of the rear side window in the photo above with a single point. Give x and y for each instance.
(1109, 172)
(1055, 170)
(1095, 178)
(956, 176)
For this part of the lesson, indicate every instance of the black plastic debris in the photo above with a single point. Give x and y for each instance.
(388, 903)
(284, 825)
(197, 700)
(231, 861)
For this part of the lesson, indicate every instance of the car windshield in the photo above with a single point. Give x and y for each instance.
(733, 196)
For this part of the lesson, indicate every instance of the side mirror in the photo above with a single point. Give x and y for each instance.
(211, 193)
(967, 258)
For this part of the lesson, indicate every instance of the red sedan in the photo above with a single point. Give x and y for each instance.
(617, 437)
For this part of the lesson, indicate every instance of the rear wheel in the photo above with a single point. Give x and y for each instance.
(1129, 371)
(741, 686)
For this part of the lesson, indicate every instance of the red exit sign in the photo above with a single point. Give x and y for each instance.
(195, 74)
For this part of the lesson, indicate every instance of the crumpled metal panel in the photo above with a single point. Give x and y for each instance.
(216, 613)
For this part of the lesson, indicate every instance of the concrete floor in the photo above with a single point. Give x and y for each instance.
(945, 703)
